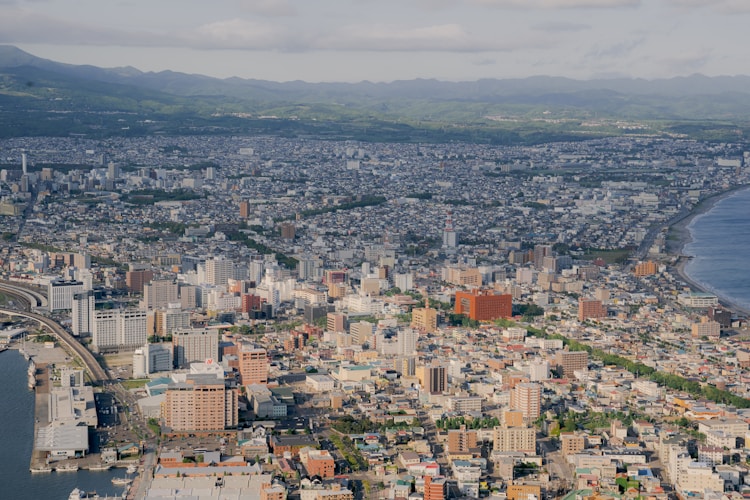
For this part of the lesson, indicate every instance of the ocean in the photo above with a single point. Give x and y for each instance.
(16, 436)
(719, 250)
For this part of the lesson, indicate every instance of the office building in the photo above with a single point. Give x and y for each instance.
(194, 345)
(569, 362)
(160, 294)
(136, 279)
(483, 305)
(60, 294)
(433, 378)
(219, 271)
(118, 329)
(201, 403)
(590, 309)
(168, 320)
(336, 322)
(253, 364)
(83, 307)
(424, 319)
(521, 439)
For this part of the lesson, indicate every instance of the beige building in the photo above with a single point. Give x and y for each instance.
(201, 403)
(424, 318)
(515, 439)
(463, 277)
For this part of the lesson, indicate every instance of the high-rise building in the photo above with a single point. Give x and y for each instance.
(433, 378)
(569, 362)
(219, 271)
(244, 209)
(361, 332)
(160, 293)
(201, 403)
(462, 440)
(60, 294)
(540, 252)
(407, 341)
(483, 305)
(527, 398)
(136, 279)
(461, 276)
(168, 320)
(83, 307)
(450, 239)
(336, 322)
(194, 345)
(253, 364)
(424, 319)
(434, 488)
(118, 329)
(521, 439)
(288, 231)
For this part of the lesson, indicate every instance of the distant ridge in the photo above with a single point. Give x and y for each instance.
(411, 103)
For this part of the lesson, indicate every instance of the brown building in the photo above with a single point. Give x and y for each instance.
(244, 209)
(484, 305)
(461, 440)
(570, 361)
(288, 231)
(433, 379)
(434, 488)
(590, 309)
(318, 463)
(201, 403)
(253, 364)
(251, 302)
(645, 268)
(135, 280)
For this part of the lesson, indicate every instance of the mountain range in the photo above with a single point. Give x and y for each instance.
(39, 96)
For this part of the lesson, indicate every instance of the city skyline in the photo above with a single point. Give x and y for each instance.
(384, 41)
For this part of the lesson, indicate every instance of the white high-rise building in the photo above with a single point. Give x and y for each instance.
(60, 294)
(115, 329)
(194, 345)
(82, 313)
(160, 293)
(219, 271)
(407, 341)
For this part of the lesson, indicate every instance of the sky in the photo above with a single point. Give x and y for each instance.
(386, 40)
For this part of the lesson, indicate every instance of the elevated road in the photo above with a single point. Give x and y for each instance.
(34, 296)
(98, 374)
(28, 298)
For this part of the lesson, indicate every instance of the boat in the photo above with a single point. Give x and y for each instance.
(132, 469)
(67, 468)
(41, 469)
(100, 467)
(121, 481)
(79, 494)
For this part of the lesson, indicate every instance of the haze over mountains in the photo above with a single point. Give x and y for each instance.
(34, 85)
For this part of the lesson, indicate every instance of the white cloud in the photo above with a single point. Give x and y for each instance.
(436, 38)
(238, 34)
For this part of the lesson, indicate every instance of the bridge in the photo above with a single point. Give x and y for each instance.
(30, 298)
(29, 293)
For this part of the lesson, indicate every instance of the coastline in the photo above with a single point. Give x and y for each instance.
(679, 236)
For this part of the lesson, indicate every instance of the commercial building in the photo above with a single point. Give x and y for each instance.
(83, 307)
(193, 345)
(253, 364)
(590, 309)
(115, 329)
(433, 378)
(60, 294)
(570, 361)
(484, 305)
(200, 403)
(424, 319)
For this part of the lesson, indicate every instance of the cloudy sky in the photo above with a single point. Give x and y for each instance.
(385, 40)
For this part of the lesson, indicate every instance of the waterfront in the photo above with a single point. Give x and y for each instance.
(17, 431)
(719, 239)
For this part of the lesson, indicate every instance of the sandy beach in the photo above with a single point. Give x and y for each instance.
(679, 236)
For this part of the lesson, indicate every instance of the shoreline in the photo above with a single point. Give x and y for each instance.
(680, 235)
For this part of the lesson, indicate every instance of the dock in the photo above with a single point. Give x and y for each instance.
(41, 414)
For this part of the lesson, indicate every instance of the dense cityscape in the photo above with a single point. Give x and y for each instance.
(268, 318)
